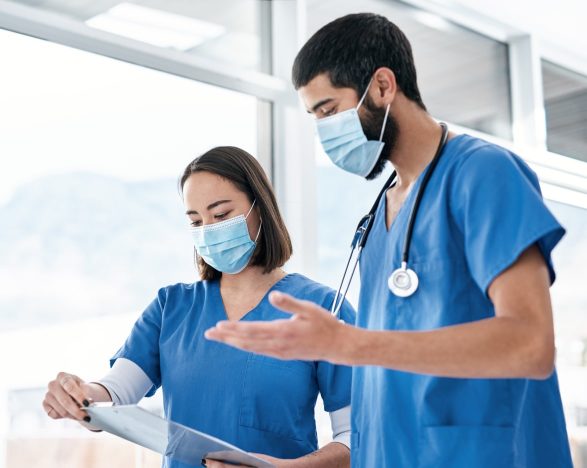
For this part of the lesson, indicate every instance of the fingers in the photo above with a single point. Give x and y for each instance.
(258, 337)
(72, 385)
(258, 342)
(49, 409)
(290, 304)
(53, 408)
(257, 330)
(214, 464)
(62, 396)
(218, 464)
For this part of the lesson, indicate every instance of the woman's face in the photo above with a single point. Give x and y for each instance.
(209, 199)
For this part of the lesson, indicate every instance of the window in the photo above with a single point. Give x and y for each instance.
(463, 76)
(94, 150)
(565, 102)
(342, 200)
(92, 223)
(569, 305)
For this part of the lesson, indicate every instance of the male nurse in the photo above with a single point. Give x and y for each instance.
(461, 372)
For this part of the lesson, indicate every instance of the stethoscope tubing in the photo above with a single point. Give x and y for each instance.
(366, 223)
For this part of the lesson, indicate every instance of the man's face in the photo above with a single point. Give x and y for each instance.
(322, 99)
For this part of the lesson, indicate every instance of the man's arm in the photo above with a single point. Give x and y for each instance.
(517, 343)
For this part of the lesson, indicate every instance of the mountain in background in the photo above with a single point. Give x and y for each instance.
(83, 244)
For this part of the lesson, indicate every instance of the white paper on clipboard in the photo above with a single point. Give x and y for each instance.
(168, 438)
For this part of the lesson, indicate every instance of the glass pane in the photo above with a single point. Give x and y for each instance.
(231, 31)
(569, 306)
(92, 225)
(565, 102)
(463, 76)
(96, 147)
(335, 232)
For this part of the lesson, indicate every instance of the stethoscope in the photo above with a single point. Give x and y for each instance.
(403, 282)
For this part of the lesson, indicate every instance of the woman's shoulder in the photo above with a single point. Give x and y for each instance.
(179, 291)
(302, 287)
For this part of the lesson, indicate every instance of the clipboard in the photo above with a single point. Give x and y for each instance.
(168, 438)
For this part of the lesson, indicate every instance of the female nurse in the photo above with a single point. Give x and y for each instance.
(260, 404)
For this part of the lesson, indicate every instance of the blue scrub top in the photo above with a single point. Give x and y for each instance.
(257, 403)
(481, 209)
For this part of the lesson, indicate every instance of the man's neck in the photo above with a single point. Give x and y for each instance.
(418, 140)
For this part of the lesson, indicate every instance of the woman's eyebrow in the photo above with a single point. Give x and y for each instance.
(209, 207)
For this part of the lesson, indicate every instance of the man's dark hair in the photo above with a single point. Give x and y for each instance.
(351, 48)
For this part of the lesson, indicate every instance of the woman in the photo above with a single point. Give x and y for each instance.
(259, 404)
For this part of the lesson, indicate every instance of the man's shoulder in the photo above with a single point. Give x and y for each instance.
(471, 158)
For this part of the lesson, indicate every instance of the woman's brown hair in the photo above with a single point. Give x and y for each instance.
(244, 171)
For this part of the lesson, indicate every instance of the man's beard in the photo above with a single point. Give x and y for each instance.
(372, 122)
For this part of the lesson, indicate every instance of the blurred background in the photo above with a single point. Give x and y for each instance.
(103, 103)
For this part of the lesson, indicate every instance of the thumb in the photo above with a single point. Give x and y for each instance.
(291, 305)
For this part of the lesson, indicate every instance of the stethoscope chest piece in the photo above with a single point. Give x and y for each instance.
(403, 282)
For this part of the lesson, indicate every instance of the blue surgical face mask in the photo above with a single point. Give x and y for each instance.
(345, 143)
(226, 246)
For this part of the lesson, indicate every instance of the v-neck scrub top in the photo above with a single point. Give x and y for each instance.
(481, 210)
(258, 403)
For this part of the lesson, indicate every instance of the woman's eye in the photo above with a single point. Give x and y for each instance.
(330, 112)
(195, 223)
(220, 216)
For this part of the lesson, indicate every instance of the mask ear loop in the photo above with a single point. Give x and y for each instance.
(251, 209)
(384, 122)
(364, 94)
(196, 261)
(260, 221)
(259, 231)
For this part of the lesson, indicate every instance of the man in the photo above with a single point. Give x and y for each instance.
(460, 372)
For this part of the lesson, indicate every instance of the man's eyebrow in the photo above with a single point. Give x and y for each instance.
(209, 207)
(319, 104)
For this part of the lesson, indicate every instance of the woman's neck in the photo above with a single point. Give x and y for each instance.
(251, 279)
(243, 292)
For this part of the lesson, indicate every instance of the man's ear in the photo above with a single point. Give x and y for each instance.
(385, 88)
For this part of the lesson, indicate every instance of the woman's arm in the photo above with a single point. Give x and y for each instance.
(335, 454)
(340, 420)
(126, 382)
(68, 393)
(332, 455)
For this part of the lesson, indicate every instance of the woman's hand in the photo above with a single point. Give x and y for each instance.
(219, 464)
(278, 462)
(65, 396)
